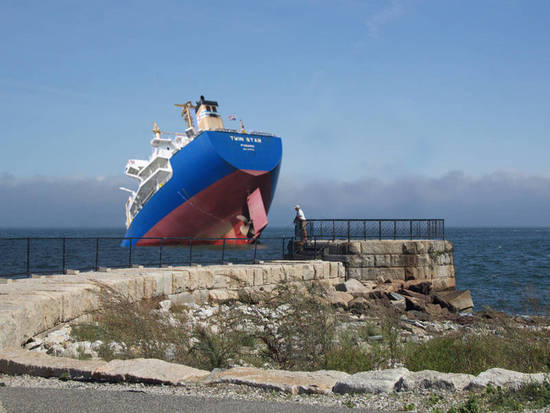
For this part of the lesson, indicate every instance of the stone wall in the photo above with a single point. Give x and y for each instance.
(376, 260)
(31, 306)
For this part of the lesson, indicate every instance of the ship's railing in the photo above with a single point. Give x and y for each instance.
(375, 229)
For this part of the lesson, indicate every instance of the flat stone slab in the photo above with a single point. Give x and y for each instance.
(19, 361)
(377, 381)
(433, 380)
(152, 371)
(293, 382)
(505, 378)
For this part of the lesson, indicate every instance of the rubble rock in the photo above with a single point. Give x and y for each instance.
(353, 287)
(456, 301)
(339, 298)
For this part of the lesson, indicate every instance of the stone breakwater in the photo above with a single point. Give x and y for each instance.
(31, 306)
(372, 260)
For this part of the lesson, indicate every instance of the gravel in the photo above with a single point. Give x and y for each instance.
(392, 401)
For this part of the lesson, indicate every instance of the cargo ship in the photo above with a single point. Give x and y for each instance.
(206, 184)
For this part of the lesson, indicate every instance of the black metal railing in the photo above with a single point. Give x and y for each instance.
(375, 229)
(45, 255)
(48, 255)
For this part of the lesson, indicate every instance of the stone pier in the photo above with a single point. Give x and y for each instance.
(387, 260)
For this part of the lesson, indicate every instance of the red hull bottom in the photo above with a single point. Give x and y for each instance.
(212, 213)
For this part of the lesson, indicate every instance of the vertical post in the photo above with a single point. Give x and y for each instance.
(348, 231)
(63, 265)
(379, 229)
(130, 255)
(321, 229)
(394, 229)
(315, 248)
(160, 253)
(97, 254)
(190, 251)
(333, 234)
(283, 249)
(255, 249)
(365, 230)
(443, 228)
(28, 269)
(293, 240)
(223, 250)
(411, 228)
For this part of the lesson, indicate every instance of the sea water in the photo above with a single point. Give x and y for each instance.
(504, 268)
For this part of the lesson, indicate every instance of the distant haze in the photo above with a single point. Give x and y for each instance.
(498, 199)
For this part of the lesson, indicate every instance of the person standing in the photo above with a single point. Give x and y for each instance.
(300, 224)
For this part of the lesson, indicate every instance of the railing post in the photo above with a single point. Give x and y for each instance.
(223, 250)
(365, 230)
(283, 248)
(255, 249)
(443, 228)
(28, 269)
(160, 253)
(333, 233)
(411, 229)
(379, 229)
(130, 255)
(348, 232)
(190, 251)
(97, 254)
(315, 248)
(394, 229)
(64, 264)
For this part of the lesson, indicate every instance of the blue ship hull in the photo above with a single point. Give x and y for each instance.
(211, 179)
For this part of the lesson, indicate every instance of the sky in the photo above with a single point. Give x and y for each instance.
(387, 108)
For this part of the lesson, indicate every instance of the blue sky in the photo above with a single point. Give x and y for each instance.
(366, 94)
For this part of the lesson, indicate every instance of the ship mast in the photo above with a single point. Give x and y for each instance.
(186, 113)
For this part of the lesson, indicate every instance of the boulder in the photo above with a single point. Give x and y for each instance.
(293, 382)
(504, 378)
(434, 380)
(457, 301)
(358, 305)
(339, 298)
(415, 304)
(374, 382)
(353, 287)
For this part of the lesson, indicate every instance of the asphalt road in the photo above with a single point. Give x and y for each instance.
(18, 399)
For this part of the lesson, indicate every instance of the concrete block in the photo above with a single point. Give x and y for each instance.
(307, 271)
(258, 277)
(206, 279)
(72, 272)
(220, 281)
(180, 281)
(387, 273)
(382, 260)
(376, 247)
(319, 270)
(355, 247)
(444, 271)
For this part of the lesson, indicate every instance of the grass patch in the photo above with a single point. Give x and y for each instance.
(516, 349)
